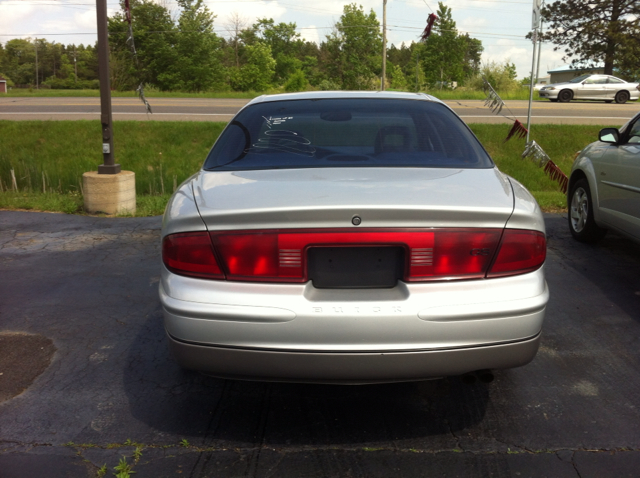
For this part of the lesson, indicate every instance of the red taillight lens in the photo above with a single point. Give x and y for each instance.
(462, 254)
(191, 254)
(520, 252)
(280, 255)
(430, 254)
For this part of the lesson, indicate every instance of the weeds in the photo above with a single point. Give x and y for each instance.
(123, 469)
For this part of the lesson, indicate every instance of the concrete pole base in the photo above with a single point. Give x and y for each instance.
(109, 193)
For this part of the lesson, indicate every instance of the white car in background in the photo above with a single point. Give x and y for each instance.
(605, 88)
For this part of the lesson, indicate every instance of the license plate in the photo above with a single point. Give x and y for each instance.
(355, 267)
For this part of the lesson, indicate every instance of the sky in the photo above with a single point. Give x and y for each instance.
(501, 25)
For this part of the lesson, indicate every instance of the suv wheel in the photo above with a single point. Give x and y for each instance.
(581, 223)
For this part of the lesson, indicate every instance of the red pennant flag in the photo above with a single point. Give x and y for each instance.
(556, 174)
(427, 31)
(518, 130)
(127, 11)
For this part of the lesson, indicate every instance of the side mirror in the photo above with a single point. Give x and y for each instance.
(609, 135)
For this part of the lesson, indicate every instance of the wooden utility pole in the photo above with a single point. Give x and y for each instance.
(106, 118)
(384, 45)
(36, 47)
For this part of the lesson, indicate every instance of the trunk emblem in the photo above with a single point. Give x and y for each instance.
(356, 220)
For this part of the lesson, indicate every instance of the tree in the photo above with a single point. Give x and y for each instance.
(472, 55)
(284, 42)
(594, 31)
(197, 66)
(628, 66)
(257, 73)
(234, 26)
(296, 82)
(444, 52)
(19, 61)
(355, 49)
(397, 78)
(502, 77)
(154, 36)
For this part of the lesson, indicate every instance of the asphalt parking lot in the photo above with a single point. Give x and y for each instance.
(80, 319)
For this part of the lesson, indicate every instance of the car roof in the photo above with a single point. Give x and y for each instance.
(317, 95)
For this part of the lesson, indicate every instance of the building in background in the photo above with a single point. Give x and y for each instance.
(567, 72)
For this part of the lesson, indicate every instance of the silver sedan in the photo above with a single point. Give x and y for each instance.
(351, 237)
(604, 186)
(605, 88)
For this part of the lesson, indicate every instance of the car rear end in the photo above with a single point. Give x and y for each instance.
(374, 243)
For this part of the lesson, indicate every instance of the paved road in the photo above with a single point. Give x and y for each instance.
(196, 109)
(90, 285)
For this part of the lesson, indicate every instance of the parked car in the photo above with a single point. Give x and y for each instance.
(351, 237)
(605, 88)
(604, 185)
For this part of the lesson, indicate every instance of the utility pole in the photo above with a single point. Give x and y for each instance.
(108, 189)
(36, 47)
(106, 118)
(75, 62)
(384, 45)
(535, 23)
(539, 52)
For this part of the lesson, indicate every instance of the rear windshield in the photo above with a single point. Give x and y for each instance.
(326, 133)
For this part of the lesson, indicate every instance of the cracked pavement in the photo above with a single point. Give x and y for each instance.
(90, 285)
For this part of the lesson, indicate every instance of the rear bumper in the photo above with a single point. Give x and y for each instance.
(344, 367)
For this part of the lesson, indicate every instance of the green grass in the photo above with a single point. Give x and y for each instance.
(457, 94)
(151, 93)
(163, 154)
(37, 201)
(467, 94)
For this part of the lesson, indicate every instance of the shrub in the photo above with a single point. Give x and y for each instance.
(296, 82)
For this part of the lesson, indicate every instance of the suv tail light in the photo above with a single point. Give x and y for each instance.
(280, 255)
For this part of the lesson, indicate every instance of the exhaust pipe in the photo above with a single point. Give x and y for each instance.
(484, 376)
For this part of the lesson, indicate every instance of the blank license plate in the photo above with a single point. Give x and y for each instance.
(355, 267)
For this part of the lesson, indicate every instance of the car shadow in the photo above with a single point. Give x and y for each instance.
(610, 265)
(216, 412)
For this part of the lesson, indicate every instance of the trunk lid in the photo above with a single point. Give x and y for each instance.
(331, 197)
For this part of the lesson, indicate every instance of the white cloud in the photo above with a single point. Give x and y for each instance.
(15, 17)
(473, 24)
(310, 33)
(249, 10)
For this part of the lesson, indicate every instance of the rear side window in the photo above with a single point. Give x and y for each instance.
(346, 133)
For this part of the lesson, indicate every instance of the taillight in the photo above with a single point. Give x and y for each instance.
(280, 255)
(430, 254)
(191, 254)
(521, 251)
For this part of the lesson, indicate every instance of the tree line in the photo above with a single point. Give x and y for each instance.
(183, 53)
(180, 51)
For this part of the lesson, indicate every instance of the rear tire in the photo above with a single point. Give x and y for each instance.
(565, 96)
(622, 97)
(581, 223)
